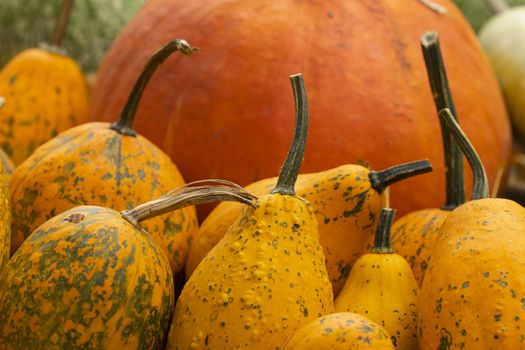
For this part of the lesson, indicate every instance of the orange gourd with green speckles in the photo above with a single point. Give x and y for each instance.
(413, 235)
(90, 278)
(5, 224)
(7, 163)
(266, 277)
(107, 165)
(47, 94)
(473, 294)
(346, 201)
(340, 331)
(381, 286)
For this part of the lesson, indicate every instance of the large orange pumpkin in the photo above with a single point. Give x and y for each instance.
(368, 87)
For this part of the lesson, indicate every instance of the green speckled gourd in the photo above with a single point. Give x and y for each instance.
(5, 224)
(381, 286)
(47, 94)
(107, 165)
(266, 277)
(340, 331)
(473, 293)
(90, 278)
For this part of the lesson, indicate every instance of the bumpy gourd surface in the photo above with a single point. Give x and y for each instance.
(86, 279)
(45, 94)
(346, 207)
(473, 294)
(413, 236)
(260, 283)
(5, 224)
(92, 164)
(340, 331)
(382, 288)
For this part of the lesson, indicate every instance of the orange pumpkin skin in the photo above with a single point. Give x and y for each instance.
(346, 207)
(93, 164)
(46, 93)
(413, 236)
(86, 279)
(365, 73)
(473, 292)
(5, 224)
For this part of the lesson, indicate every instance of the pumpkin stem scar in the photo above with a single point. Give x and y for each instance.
(75, 218)
(294, 159)
(480, 188)
(382, 243)
(433, 6)
(197, 192)
(2, 102)
(382, 179)
(496, 6)
(437, 76)
(61, 23)
(125, 124)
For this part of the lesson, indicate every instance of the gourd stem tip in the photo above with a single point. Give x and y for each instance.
(125, 124)
(382, 179)
(292, 164)
(480, 183)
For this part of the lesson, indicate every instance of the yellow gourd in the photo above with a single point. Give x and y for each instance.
(266, 277)
(473, 294)
(347, 201)
(340, 331)
(47, 94)
(381, 286)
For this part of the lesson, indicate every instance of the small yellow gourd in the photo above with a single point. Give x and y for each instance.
(473, 294)
(340, 331)
(266, 277)
(381, 286)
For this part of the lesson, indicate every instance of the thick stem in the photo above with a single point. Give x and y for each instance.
(480, 188)
(125, 124)
(496, 6)
(197, 192)
(437, 76)
(382, 243)
(294, 159)
(384, 178)
(62, 21)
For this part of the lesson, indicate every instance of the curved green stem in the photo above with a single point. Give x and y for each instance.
(382, 243)
(198, 192)
(62, 21)
(294, 159)
(496, 6)
(382, 179)
(125, 124)
(437, 76)
(480, 188)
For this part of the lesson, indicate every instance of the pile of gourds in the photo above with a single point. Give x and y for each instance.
(100, 244)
